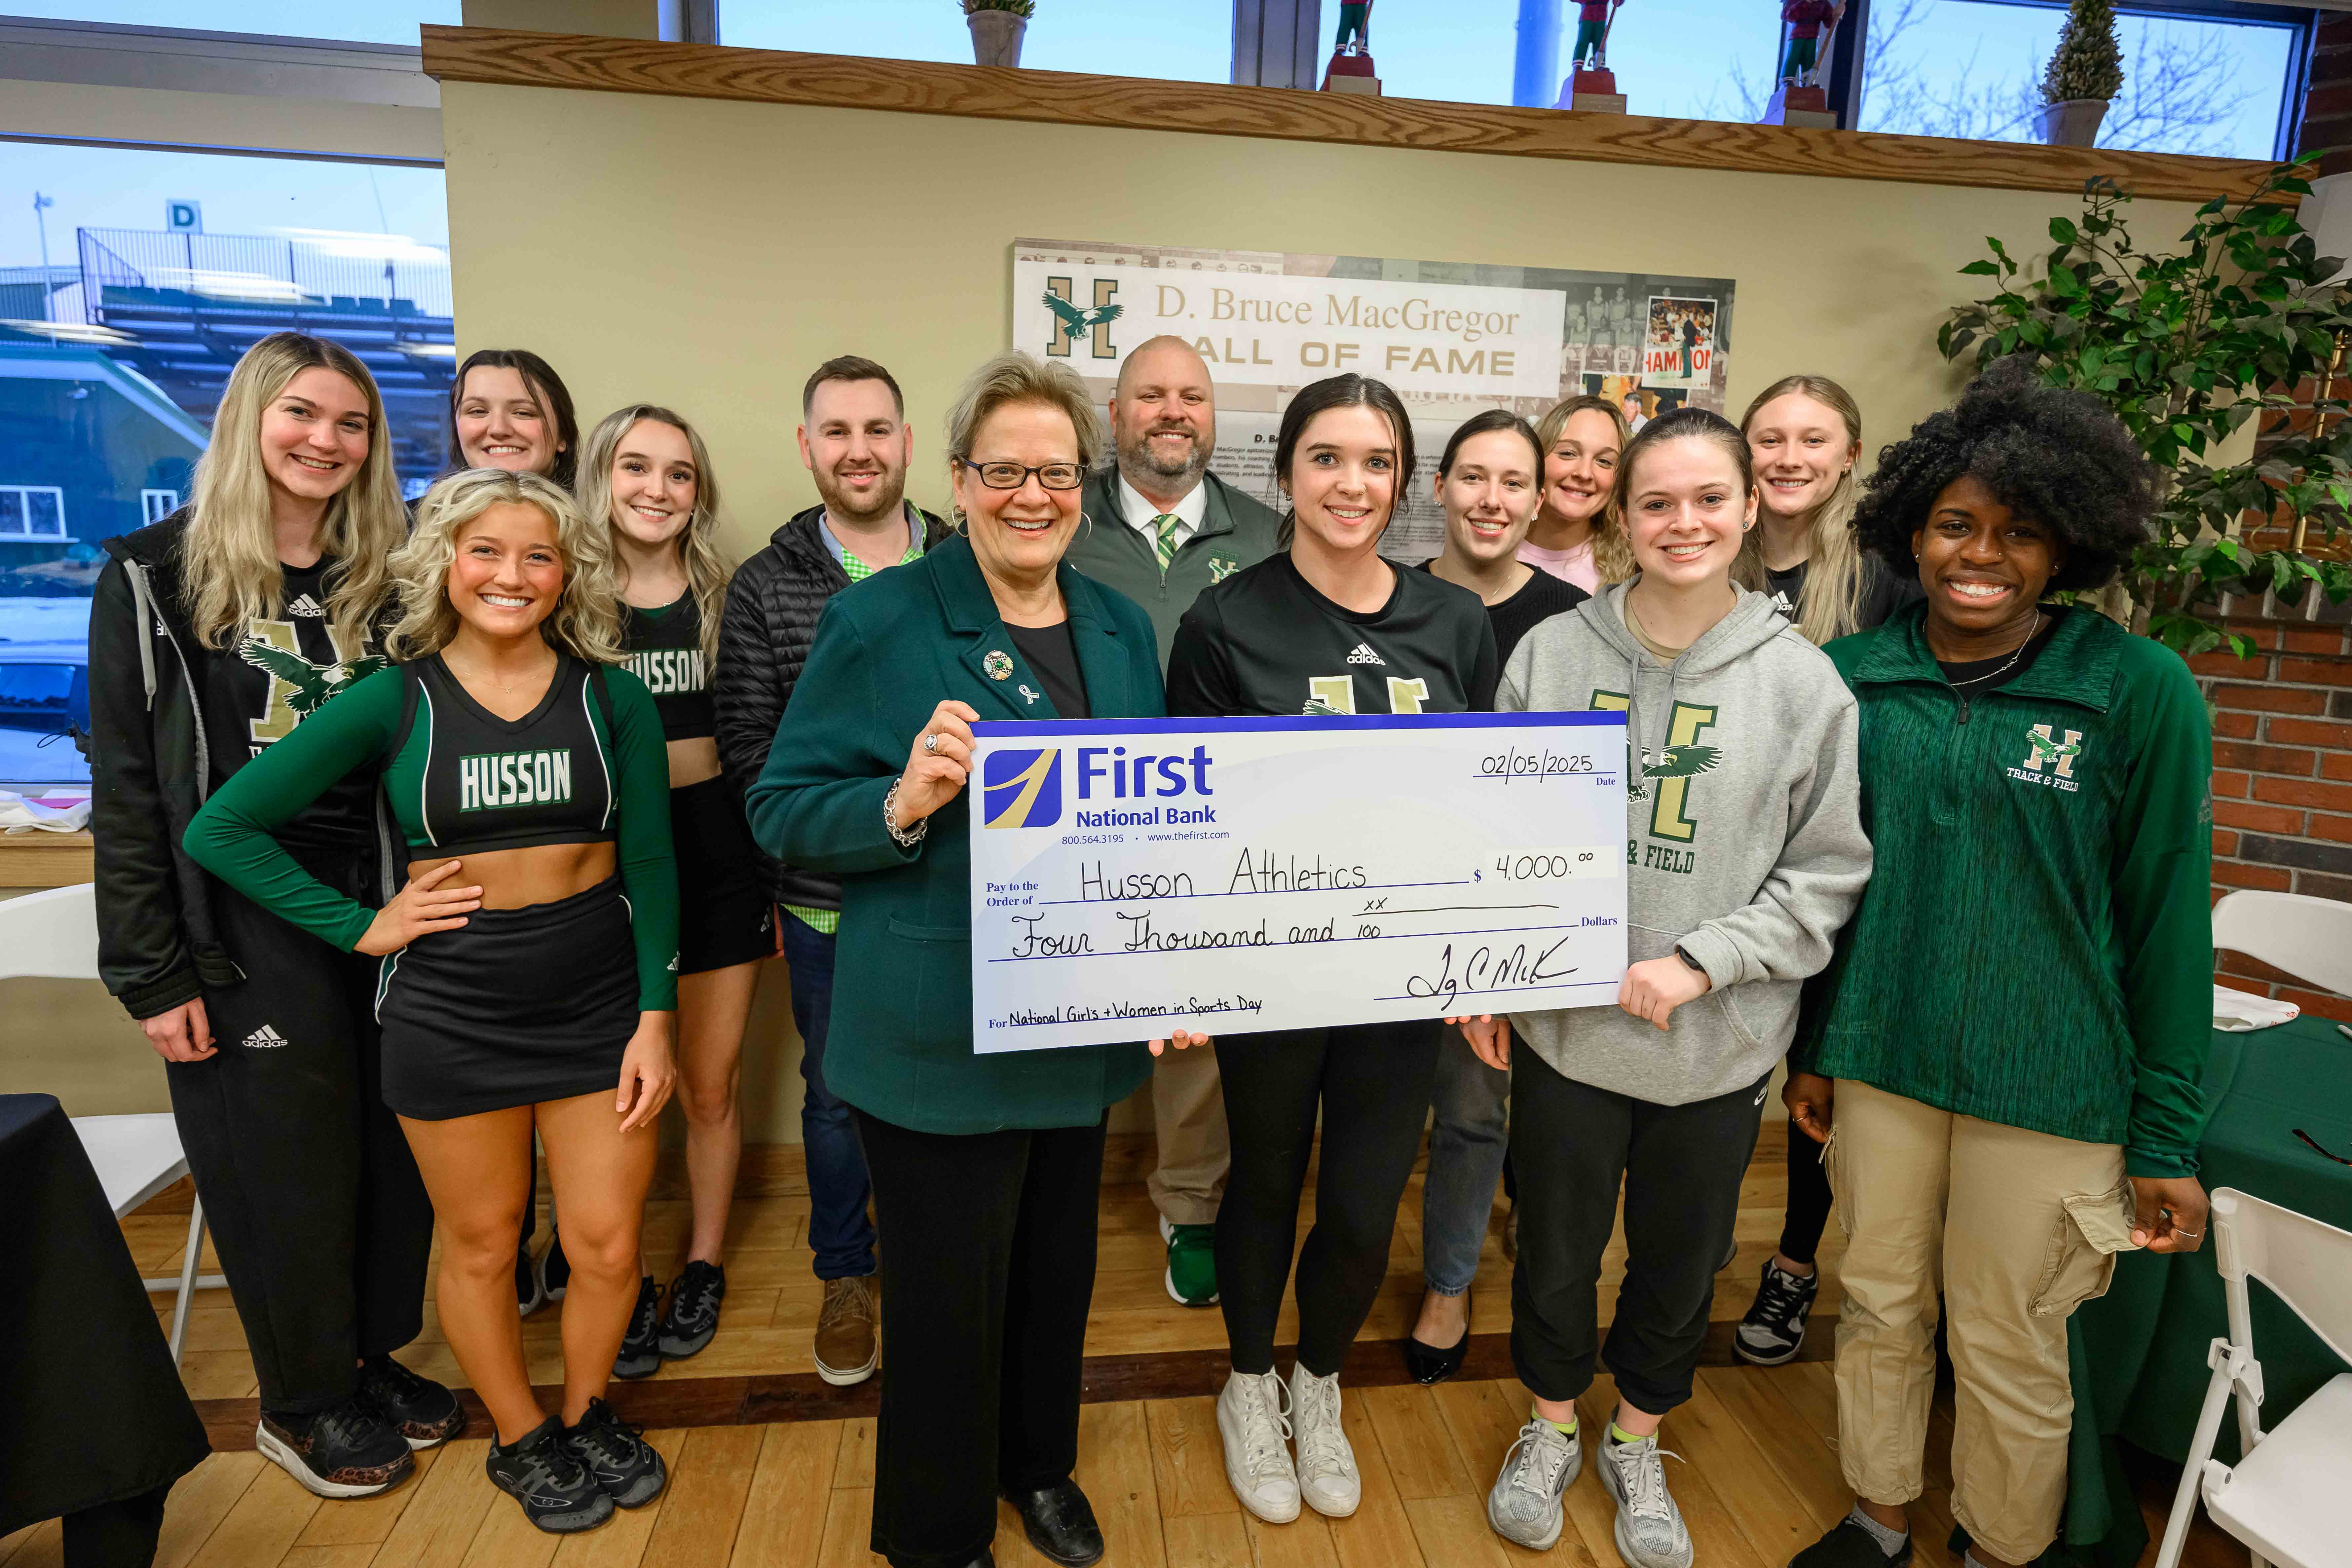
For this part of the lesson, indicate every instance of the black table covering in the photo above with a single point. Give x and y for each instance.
(91, 1409)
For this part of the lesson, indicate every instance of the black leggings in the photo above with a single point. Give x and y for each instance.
(1372, 1083)
(313, 1200)
(1809, 1198)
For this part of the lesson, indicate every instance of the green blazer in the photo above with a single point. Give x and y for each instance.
(1236, 532)
(888, 650)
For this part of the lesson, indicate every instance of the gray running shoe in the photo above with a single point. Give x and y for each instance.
(1650, 1533)
(1524, 1505)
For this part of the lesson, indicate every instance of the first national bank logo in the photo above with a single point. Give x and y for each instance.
(1022, 788)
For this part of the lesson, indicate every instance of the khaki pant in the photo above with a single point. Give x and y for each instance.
(1188, 1115)
(2019, 1228)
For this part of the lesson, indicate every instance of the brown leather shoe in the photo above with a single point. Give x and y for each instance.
(847, 1344)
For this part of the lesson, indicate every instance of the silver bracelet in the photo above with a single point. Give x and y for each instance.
(907, 837)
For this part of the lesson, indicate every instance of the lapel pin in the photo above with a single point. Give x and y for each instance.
(998, 664)
(1027, 695)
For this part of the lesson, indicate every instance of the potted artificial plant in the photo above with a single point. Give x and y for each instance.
(996, 28)
(2085, 71)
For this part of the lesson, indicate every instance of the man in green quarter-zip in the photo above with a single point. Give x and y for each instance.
(2004, 1055)
(1159, 528)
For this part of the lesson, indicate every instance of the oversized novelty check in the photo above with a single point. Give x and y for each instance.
(1130, 877)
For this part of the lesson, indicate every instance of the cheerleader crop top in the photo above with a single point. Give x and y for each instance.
(587, 765)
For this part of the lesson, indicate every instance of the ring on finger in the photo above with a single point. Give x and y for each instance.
(931, 742)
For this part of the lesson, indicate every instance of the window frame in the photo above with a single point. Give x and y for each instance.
(154, 506)
(25, 511)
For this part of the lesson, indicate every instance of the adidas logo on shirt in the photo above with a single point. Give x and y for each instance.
(1364, 655)
(307, 607)
(262, 1038)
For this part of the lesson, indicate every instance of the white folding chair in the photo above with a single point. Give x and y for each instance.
(53, 935)
(2309, 938)
(2286, 1496)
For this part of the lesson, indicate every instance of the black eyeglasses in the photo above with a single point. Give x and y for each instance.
(1013, 475)
(2316, 1149)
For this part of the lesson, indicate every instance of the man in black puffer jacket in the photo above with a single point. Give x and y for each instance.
(854, 441)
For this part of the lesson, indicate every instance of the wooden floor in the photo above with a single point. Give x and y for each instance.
(769, 1320)
(1757, 1476)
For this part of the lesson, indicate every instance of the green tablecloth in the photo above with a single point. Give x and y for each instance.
(2139, 1351)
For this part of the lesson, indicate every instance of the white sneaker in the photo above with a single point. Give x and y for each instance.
(1523, 1504)
(1255, 1430)
(1327, 1465)
(1650, 1531)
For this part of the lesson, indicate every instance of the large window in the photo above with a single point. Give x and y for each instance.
(382, 21)
(1184, 40)
(130, 283)
(1939, 68)
(1965, 67)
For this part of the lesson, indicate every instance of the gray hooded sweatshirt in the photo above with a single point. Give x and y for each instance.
(1744, 840)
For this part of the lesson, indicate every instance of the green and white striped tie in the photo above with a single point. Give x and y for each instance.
(1165, 525)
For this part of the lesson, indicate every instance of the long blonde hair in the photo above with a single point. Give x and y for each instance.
(708, 567)
(229, 572)
(587, 619)
(1835, 574)
(1613, 557)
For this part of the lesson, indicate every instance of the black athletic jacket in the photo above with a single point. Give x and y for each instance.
(772, 606)
(158, 945)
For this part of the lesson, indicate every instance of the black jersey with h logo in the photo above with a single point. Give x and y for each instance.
(1264, 642)
(507, 784)
(665, 653)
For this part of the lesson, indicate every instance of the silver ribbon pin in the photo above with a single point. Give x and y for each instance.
(1027, 695)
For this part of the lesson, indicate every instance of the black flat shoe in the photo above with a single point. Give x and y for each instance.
(1060, 1524)
(1428, 1364)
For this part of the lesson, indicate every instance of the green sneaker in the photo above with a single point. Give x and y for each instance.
(1191, 1275)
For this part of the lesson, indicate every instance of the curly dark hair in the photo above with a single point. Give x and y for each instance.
(2057, 457)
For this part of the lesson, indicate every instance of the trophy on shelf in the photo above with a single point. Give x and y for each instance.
(1351, 70)
(1592, 85)
(1807, 27)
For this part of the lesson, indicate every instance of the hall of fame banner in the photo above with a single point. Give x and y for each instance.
(1229, 876)
(1453, 338)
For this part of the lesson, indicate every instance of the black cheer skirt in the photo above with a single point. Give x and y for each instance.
(726, 909)
(513, 1007)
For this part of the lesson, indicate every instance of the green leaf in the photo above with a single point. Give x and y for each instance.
(1980, 269)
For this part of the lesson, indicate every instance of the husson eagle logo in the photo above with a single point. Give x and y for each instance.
(1024, 788)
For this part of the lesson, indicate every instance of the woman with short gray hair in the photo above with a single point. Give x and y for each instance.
(985, 1166)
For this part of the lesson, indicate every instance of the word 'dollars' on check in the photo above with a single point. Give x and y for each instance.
(1232, 875)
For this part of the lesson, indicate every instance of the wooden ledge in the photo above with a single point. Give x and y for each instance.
(45, 859)
(505, 57)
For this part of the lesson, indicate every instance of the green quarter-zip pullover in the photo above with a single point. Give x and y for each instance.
(2035, 945)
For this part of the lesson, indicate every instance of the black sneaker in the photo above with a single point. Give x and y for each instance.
(641, 1346)
(542, 1473)
(554, 1269)
(691, 1316)
(626, 1467)
(1774, 1329)
(418, 1408)
(528, 1297)
(349, 1451)
(1851, 1546)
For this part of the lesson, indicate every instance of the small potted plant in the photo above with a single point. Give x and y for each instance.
(996, 28)
(2085, 71)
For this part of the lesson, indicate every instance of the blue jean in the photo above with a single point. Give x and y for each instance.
(1466, 1145)
(839, 1233)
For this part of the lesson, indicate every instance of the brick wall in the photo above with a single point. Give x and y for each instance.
(2283, 718)
(2282, 770)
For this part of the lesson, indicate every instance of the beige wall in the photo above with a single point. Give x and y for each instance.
(710, 255)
